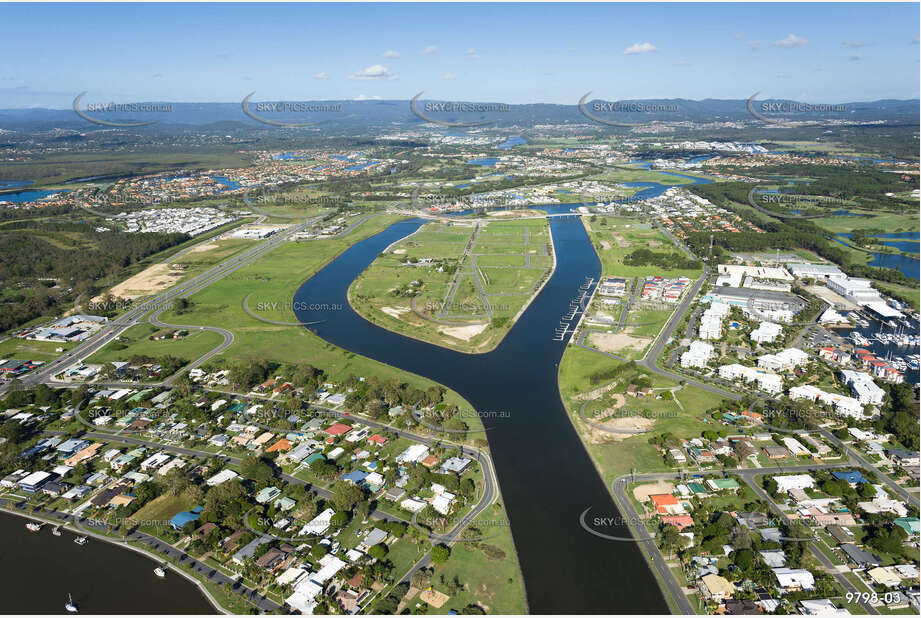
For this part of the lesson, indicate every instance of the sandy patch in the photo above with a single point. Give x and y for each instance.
(395, 312)
(152, 279)
(434, 598)
(512, 213)
(616, 342)
(205, 247)
(621, 242)
(595, 394)
(465, 333)
(399, 251)
(605, 245)
(642, 492)
(633, 423)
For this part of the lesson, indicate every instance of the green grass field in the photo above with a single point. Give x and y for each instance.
(614, 238)
(612, 457)
(136, 340)
(23, 349)
(511, 256)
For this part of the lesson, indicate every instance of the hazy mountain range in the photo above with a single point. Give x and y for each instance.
(397, 112)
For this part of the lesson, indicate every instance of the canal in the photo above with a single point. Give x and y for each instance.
(545, 474)
(40, 570)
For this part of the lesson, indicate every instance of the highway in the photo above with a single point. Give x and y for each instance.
(158, 303)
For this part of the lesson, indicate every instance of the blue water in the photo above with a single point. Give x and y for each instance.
(15, 184)
(511, 142)
(464, 186)
(227, 182)
(909, 246)
(910, 267)
(290, 156)
(485, 161)
(361, 166)
(22, 197)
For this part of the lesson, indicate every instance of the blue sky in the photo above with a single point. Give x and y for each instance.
(514, 53)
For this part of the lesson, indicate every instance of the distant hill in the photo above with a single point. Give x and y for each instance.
(229, 116)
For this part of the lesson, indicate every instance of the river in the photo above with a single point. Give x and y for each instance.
(40, 570)
(545, 474)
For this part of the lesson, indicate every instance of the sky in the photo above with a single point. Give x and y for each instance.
(510, 53)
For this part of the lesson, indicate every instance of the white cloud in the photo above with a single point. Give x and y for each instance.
(450, 76)
(321, 75)
(681, 63)
(791, 41)
(854, 44)
(431, 49)
(754, 45)
(472, 54)
(364, 97)
(856, 57)
(391, 54)
(640, 48)
(375, 71)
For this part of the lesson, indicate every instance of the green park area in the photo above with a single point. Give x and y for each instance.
(458, 285)
(630, 248)
(25, 349)
(595, 387)
(140, 340)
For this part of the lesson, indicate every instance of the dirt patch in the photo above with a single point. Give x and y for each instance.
(512, 213)
(465, 333)
(620, 240)
(642, 492)
(633, 423)
(151, 280)
(605, 245)
(205, 247)
(399, 251)
(395, 312)
(434, 598)
(618, 342)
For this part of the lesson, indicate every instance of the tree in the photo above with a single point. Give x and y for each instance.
(346, 495)
(440, 554)
(257, 469)
(378, 551)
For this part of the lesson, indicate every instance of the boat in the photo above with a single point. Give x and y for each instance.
(70, 606)
(160, 571)
(56, 531)
(80, 540)
(34, 526)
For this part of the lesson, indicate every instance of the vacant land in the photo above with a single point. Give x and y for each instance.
(583, 371)
(458, 285)
(614, 238)
(24, 349)
(137, 341)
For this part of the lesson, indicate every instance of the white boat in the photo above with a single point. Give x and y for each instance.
(160, 572)
(56, 531)
(33, 526)
(80, 540)
(70, 606)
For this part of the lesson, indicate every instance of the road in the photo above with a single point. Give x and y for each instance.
(158, 303)
(656, 559)
(825, 562)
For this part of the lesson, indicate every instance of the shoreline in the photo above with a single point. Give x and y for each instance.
(124, 545)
